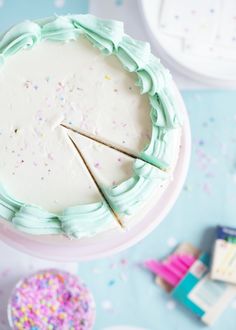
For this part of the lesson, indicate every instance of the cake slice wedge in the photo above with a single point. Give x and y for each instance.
(128, 184)
(53, 191)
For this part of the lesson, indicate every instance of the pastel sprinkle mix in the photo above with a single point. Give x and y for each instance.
(51, 300)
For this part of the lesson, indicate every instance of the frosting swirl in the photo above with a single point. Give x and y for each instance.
(8, 205)
(23, 35)
(104, 34)
(86, 220)
(33, 220)
(80, 221)
(60, 29)
(126, 197)
(133, 54)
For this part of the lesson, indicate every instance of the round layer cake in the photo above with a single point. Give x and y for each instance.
(90, 127)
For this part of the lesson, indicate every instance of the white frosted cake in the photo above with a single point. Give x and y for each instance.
(90, 127)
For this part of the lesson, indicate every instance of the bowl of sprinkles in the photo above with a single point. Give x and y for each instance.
(51, 300)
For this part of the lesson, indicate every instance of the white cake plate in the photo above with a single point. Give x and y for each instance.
(60, 248)
(211, 71)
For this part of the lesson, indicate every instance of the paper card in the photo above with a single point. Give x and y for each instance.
(190, 19)
(209, 50)
(223, 267)
(226, 33)
(204, 297)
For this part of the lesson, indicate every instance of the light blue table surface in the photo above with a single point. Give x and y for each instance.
(125, 293)
(15, 11)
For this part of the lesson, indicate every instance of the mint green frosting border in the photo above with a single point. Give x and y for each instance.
(153, 79)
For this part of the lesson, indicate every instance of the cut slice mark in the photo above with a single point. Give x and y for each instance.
(109, 166)
(128, 184)
(96, 183)
(159, 165)
(99, 141)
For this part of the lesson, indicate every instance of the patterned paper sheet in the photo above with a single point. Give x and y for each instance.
(206, 27)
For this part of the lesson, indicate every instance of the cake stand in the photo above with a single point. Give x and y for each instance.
(60, 248)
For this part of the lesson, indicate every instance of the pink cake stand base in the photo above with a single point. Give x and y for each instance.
(62, 249)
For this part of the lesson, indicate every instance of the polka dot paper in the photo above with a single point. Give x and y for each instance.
(190, 19)
(207, 28)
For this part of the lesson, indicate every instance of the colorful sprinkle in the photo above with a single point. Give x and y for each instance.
(51, 299)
